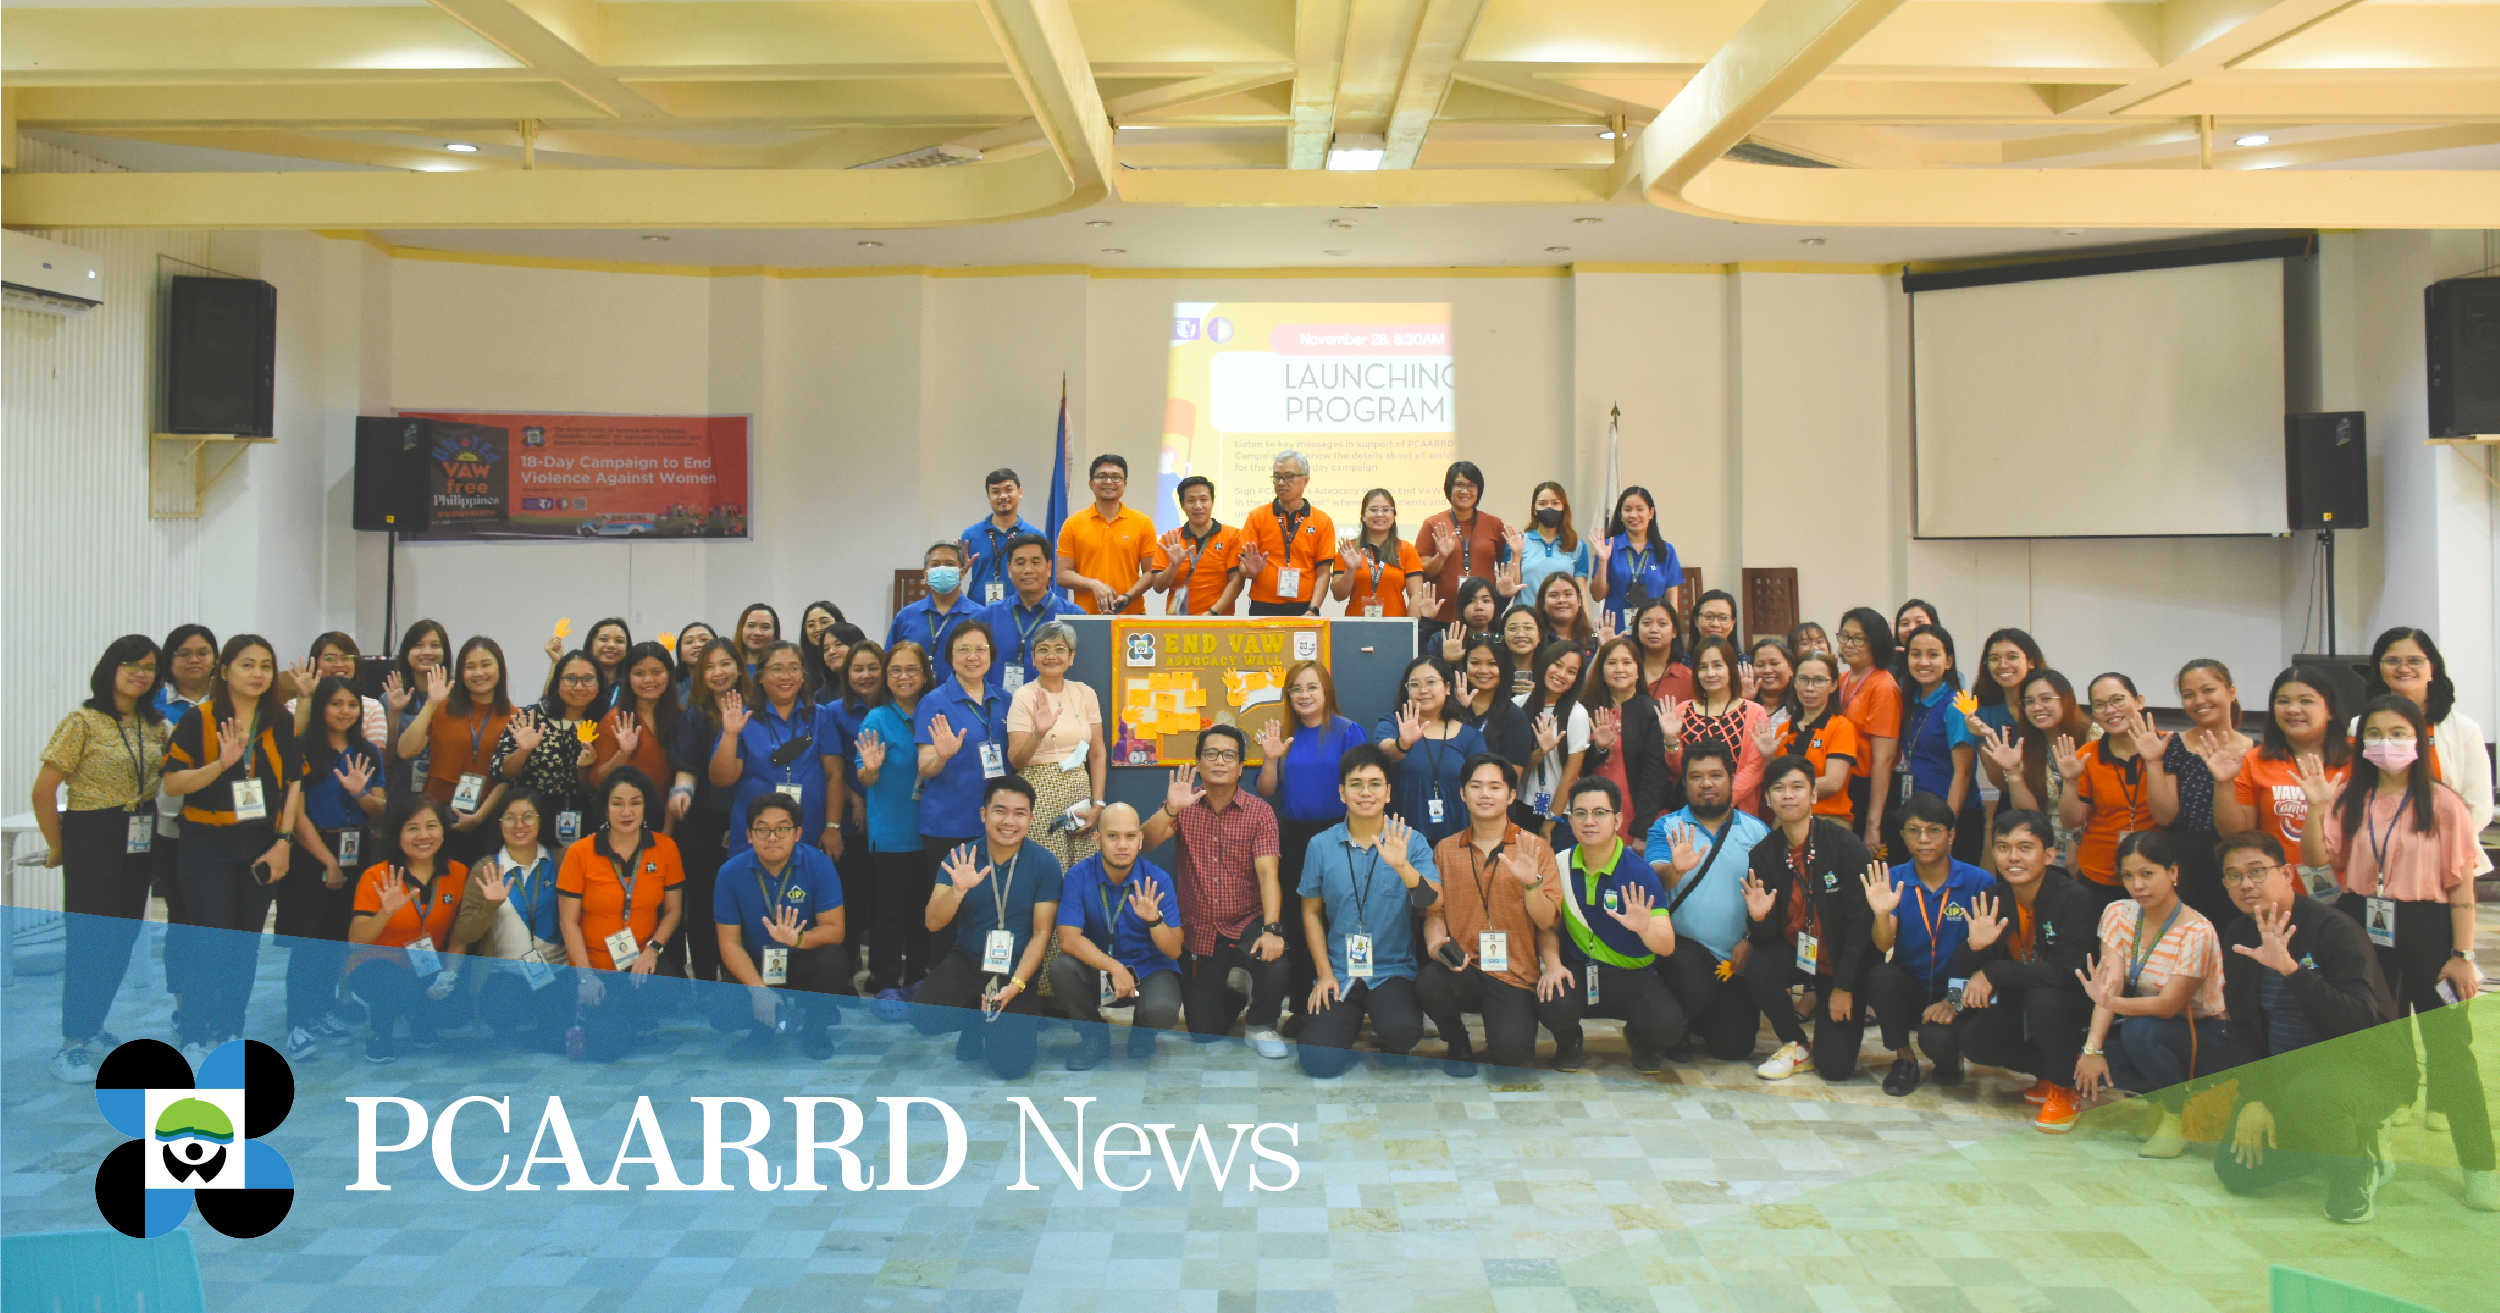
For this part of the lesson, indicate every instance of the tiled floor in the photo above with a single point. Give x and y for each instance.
(1597, 1192)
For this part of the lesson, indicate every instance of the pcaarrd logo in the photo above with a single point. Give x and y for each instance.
(1141, 649)
(195, 1139)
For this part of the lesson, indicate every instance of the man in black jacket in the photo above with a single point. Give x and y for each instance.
(1809, 924)
(2318, 1073)
(2024, 1008)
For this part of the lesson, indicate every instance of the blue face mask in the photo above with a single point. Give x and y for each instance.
(943, 578)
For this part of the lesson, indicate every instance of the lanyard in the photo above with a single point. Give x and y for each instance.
(1433, 754)
(1476, 863)
(1593, 877)
(765, 719)
(1363, 892)
(251, 745)
(1112, 907)
(1918, 892)
(632, 864)
(138, 766)
(1291, 523)
(1801, 860)
(1466, 543)
(935, 622)
(1378, 565)
(528, 889)
(983, 703)
(1637, 564)
(425, 893)
(999, 889)
(1024, 632)
(773, 897)
(991, 562)
(2140, 953)
(2378, 846)
(477, 730)
(2133, 772)
(1198, 546)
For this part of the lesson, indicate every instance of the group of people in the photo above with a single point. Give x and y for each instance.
(1592, 802)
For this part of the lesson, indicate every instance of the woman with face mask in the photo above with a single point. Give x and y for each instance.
(1635, 566)
(2405, 854)
(2406, 663)
(1550, 546)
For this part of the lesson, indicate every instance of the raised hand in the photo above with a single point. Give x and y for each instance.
(784, 926)
(871, 751)
(1882, 895)
(1683, 853)
(733, 714)
(1427, 601)
(437, 686)
(1671, 711)
(1967, 703)
(1045, 711)
(1453, 641)
(393, 895)
(628, 734)
(395, 694)
(1183, 792)
(1253, 562)
(1145, 899)
(555, 649)
(1517, 866)
(233, 740)
(300, 677)
(1758, 900)
(1272, 740)
(1506, 576)
(1350, 552)
(2222, 759)
(1395, 838)
(1444, 539)
(2313, 782)
(961, 872)
(944, 738)
(1604, 622)
(492, 884)
(357, 776)
(528, 729)
(2098, 982)
(2149, 742)
(2274, 943)
(1748, 681)
(1606, 729)
(2002, 747)
(1766, 737)
(1985, 923)
(1410, 726)
(1633, 909)
(1518, 540)
(1603, 549)
(1548, 732)
(2069, 761)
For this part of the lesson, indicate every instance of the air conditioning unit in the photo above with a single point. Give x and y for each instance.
(48, 277)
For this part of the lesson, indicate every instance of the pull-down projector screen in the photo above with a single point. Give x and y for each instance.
(2118, 405)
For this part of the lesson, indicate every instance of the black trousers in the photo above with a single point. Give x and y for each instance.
(1769, 974)
(2326, 1121)
(506, 1002)
(1901, 1000)
(1511, 1014)
(1653, 1021)
(817, 976)
(2038, 1032)
(1293, 844)
(1078, 988)
(1210, 1004)
(229, 909)
(901, 934)
(165, 881)
(104, 888)
(699, 837)
(313, 917)
(391, 991)
(630, 1005)
(860, 913)
(1721, 1013)
(2424, 938)
(950, 1000)
(1327, 1047)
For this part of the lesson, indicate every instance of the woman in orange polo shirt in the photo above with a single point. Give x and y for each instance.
(617, 893)
(457, 730)
(2260, 789)
(1378, 574)
(1818, 732)
(638, 732)
(2113, 784)
(406, 963)
(1871, 699)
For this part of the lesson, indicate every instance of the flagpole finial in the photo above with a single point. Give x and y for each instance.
(1616, 413)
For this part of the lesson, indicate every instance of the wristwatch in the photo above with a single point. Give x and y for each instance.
(2091, 1052)
(1276, 928)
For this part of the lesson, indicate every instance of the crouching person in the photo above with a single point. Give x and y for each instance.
(1119, 942)
(777, 908)
(1361, 935)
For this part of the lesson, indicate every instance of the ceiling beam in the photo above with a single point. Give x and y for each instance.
(1784, 46)
(1186, 91)
(1318, 58)
(1440, 38)
(1039, 39)
(2326, 150)
(560, 38)
(2201, 37)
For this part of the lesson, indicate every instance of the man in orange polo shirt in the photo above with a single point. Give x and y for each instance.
(1109, 558)
(1289, 546)
(1204, 551)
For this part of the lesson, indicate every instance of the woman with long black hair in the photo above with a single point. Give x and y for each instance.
(691, 641)
(1624, 741)
(1522, 635)
(1561, 725)
(1561, 610)
(1718, 714)
(1937, 750)
(240, 776)
(819, 619)
(549, 747)
(1992, 703)
(109, 752)
(606, 646)
(638, 730)
(1871, 698)
(2261, 789)
(333, 837)
(2026, 757)
(1479, 613)
(758, 627)
(188, 667)
(1486, 702)
(699, 807)
(1635, 566)
(1660, 633)
(457, 730)
(2406, 663)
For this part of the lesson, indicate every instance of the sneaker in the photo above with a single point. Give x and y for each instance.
(816, 1042)
(1291, 1026)
(72, 1066)
(105, 1041)
(380, 1049)
(2482, 1191)
(1786, 1062)
(2058, 1111)
(1091, 1048)
(2039, 1092)
(1268, 1043)
(2168, 1140)
(892, 1006)
(2434, 1121)
(1141, 1043)
(1949, 1073)
(300, 1044)
(2356, 1201)
(1570, 1057)
(1459, 1058)
(1648, 1064)
(1902, 1079)
(331, 1028)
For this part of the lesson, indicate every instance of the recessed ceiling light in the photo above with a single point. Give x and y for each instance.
(2070, 232)
(1097, 223)
(460, 148)
(2253, 139)
(1341, 223)
(1555, 250)
(655, 237)
(1115, 250)
(1357, 151)
(872, 243)
(1809, 241)
(1336, 252)
(1588, 218)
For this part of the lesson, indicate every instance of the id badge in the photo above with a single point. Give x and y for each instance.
(468, 793)
(1493, 950)
(1107, 996)
(351, 845)
(1371, 610)
(1012, 678)
(1432, 810)
(1541, 802)
(1289, 581)
(998, 953)
(1358, 956)
(568, 826)
(1904, 777)
(993, 592)
(1592, 969)
(142, 834)
(790, 791)
(2379, 918)
(1806, 946)
(251, 800)
(623, 948)
(993, 761)
(776, 965)
(535, 972)
(422, 958)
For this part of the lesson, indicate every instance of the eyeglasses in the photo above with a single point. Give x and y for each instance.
(772, 831)
(580, 681)
(1592, 815)
(138, 669)
(1219, 755)
(1286, 476)
(520, 818)
(2251, 876)
(1422, 685)
(2404, 663)
(2109, 704)
(1811, 681)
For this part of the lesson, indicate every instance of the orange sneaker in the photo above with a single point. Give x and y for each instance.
(2039, 1092)
(2057, 1111)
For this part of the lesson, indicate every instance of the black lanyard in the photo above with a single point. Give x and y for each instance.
(1466, 543)
(138, 764)
(991, 563)
(527, 874)
(764, 717)
(1291, 524)
(632, 864)
(1433, 753)
(1363, 892)
(1477, 863)
(1024, 632)
(425, 894)
(1198, 546)
(1377, 566)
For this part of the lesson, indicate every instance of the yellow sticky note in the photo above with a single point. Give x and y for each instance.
(668, 641)
(1139, 686)
(564, 625)
(587, 731)
(1196, 697)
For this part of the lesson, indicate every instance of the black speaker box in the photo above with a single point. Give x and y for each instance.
(392, 489)
(221, 353)
(2345, 673)
(2326, 470)
(2463, 319)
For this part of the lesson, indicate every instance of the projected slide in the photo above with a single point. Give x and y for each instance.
(1367, 392)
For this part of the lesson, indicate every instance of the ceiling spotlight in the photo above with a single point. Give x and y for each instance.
(2253, 139)
(460, 148)
(1115, 250)
(1809, 241)
(1556, 250)
(1606, 134)
(1336, 252)
(1588, 218)
(655, 237)
(1341, 223)
(1097, 223)
(2070, 232)
(872, 243)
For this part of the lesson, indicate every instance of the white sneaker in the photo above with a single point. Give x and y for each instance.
(2434, 1121)
(1268, 1043)
(1786, 1062)
(196, 1052)
(301, 1044)
(2482, 1191)
(72, 1066)
(2168, 1139)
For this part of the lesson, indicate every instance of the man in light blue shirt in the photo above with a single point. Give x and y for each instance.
(1359, 879)
(1701, 854)
(988, 540)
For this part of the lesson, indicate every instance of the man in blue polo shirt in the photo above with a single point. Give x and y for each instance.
(994, 902)
(930, 620)
(1029, 605)
(1701, 854)
(1119, 939)
(1359, 881)
(1616, 927)
(987, 540)
(777, 908)
(1924, 910)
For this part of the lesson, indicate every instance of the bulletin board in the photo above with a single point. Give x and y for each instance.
(1172, 678)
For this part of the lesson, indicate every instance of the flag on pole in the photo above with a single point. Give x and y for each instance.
(1058, 512)
(1614, 473)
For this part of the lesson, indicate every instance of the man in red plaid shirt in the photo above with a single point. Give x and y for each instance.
(1232, 907)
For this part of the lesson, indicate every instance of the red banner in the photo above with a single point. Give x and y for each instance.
(504, 475)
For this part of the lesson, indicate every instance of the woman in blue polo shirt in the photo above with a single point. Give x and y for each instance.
(342, 794)
(1550, 546)
(961, 730)
(508, 916)
(1938, 752)
(1299, 778)
(891, 799)
(777, 751)
(1430, 745)
(1634, 565)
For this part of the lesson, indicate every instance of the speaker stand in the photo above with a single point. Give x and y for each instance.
(2326, 538)
(390, 592)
